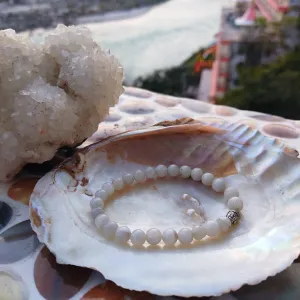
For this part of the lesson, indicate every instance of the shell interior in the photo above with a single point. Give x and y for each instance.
(265, 242)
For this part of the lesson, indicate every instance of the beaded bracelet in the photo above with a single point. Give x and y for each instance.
(122, 234)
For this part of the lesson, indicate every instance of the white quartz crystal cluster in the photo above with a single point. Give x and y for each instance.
(52, 95)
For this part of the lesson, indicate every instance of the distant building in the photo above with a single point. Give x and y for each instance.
(230, 39)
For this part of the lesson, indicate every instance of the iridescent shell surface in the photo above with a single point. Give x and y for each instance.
(265, 242)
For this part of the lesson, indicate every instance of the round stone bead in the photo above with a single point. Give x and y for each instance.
(153, 236)
(190, 212)
(150, 172)
(96, 202)
(230, 193)
(212, 228)
(186, 197)
(199, 232)
(108, 187)
(128, 178)
(161, 171)
(207, 179)
(96, 212)
(138, 237)
(173, 170)
(196, 174)
(219, 185)
(101, 220)
(169, 237)
(185, 236)
(139, 176)
(224, 224)
(109, 230)
(235, 203)
(185, 171)
(122, 234)
(101, 194)
(118, 184)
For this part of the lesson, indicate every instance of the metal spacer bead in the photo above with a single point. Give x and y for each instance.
(233, 216)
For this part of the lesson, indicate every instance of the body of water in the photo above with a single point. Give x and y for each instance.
(161, 37)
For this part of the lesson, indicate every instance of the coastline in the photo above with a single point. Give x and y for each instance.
(114, 15)
(146, 41)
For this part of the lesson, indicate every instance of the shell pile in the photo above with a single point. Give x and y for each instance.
(263, 169)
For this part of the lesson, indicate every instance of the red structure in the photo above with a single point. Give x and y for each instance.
(271, 10)
(280, 5)
(219, 74)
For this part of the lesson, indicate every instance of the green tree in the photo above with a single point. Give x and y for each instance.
(272, 88)
(173, 81)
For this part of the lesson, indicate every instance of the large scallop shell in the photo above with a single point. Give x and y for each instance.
(266, 241)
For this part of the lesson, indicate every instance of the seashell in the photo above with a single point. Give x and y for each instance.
(263, 243)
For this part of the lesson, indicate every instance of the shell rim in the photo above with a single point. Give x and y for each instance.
(286, 261)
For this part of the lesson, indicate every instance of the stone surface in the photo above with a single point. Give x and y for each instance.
(17, 243)
(12, 287)
(54, 281)
(138, 108)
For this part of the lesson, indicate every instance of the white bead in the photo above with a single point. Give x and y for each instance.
(196, 174)
(169, 237)
(190, 211)
(218, 185)
(230, 193)
(101, 194)
(185, 236)
(122, 235)
(101, 220)
(153, 236)
(150, 172)
(199, 232)
(96, 212)
(207, 179)
(212, 228)
(118, 184)
(173, 170)
(161, 171)
(235, 203)
(138, 237)
(186, 197)
(224, 224)
(185, 171)
(128, 178)
(139, 176)
(108, 187)
(96, 202)
(109, 230)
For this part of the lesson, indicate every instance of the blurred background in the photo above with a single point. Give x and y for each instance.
(243, 53)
